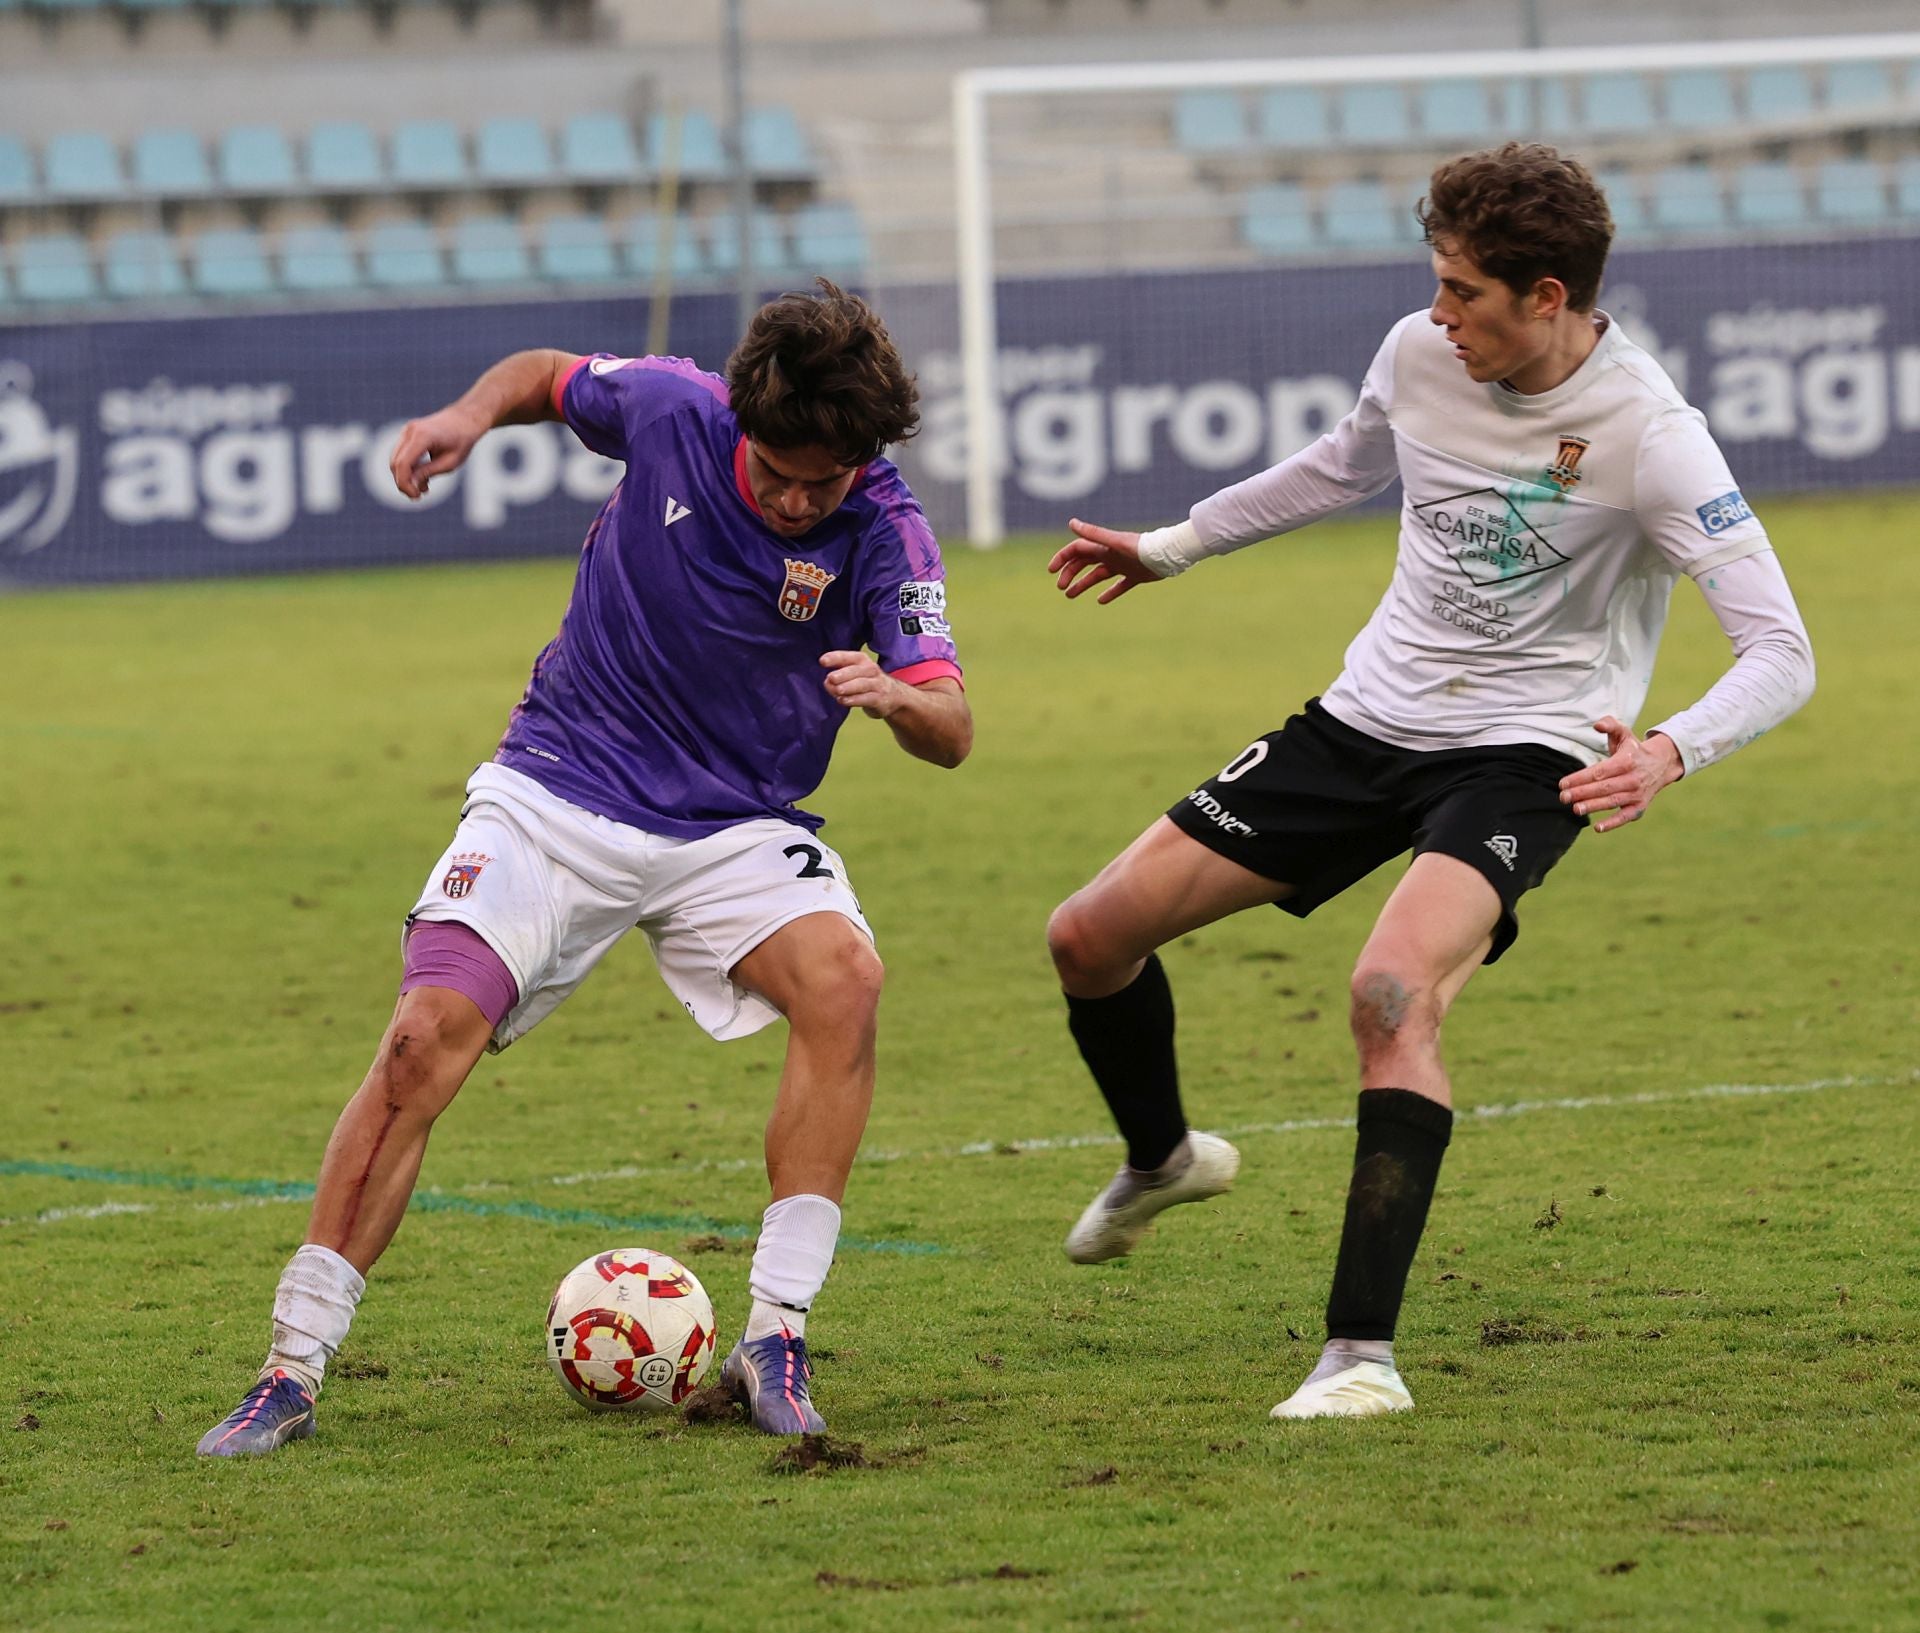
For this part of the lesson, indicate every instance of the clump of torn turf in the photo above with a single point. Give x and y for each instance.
(714, 1404)
(1521, 1330)
(811, 1452)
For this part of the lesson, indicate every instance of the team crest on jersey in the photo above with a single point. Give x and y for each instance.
(464, 874)
(800, 595)
(1564, 472)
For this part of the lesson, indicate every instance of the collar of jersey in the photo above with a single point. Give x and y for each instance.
(1572, 386)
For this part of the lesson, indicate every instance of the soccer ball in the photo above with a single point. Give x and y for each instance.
(630, 1331)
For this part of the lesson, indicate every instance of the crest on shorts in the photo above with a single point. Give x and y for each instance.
(800, 595)
(463, 874)
(1564, 472)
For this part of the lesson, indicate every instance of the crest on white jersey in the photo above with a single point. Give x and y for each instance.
(675, 511)
(1564, 472)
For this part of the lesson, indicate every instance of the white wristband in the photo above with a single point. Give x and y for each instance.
(1170, 551)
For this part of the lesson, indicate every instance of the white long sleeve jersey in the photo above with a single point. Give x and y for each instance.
(1540, 540)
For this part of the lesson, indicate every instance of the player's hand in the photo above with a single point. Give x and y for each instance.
(1098, 555)
(855, 681)
(1635, 769)
(428, 447)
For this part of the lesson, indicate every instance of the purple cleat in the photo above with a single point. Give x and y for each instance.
(277, 1409)
(770, 1374)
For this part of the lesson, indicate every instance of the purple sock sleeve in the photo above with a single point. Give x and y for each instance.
(441, 954)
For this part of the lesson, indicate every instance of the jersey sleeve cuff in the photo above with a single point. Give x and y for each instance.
(1167, 552)
(1689, 762)
(918, 674)
(560, 387)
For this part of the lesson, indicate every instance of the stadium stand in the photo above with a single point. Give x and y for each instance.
(231, 261)
(318, 260)
(342, 156)
(576, 249)
(142, 266)
(490, 250)
(404, 255)
(170, 163)
(257, 159)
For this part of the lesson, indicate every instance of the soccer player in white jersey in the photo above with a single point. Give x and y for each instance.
(1557, 486)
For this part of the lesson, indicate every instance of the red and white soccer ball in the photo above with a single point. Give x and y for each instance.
(630, 1331)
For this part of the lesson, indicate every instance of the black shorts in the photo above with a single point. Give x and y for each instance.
(1318, 806)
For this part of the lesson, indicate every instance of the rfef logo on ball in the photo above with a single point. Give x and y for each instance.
(1729, 510)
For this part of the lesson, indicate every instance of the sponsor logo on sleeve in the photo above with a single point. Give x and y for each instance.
(610, 365)
(928, 625)
(923, 595)
(1728, 511)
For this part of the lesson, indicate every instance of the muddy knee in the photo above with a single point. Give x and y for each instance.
(1388, 1009)
(431, 1046)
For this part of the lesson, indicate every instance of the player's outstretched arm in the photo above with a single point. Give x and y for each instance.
(515, 391)
(1100, 555)
(930, 721)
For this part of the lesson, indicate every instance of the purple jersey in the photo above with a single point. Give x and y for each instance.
(684, 691)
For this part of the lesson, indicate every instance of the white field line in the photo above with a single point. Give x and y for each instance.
(103, 1210)
(1297, 1125)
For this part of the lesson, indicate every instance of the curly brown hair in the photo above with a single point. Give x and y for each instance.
(1522, 212)
(820, 371)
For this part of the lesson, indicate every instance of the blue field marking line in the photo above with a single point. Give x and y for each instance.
(286, 1190)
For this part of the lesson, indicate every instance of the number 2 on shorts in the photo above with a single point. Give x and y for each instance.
(812, 868)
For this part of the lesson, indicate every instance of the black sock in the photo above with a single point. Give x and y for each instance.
(1396, 1160)
(1127, 1042)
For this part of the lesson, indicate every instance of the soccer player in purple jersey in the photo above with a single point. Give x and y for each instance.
(648, 777)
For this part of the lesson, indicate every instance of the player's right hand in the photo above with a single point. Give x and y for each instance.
(440, 442)
(1097, 555)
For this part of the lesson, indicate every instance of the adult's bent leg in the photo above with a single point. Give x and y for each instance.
(821, 972)
(1120, 1012)
(1430, 938)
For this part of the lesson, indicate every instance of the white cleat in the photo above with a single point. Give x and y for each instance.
(1118, 1217)
(1364, 1390)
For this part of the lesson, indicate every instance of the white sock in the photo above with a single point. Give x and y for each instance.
(312, 1309)
(790, 1263)
(1342, 1353)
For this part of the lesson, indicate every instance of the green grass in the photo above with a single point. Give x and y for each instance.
(217, 800)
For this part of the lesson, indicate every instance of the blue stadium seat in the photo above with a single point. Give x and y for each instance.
(54, 267)
(1700, 99)
(404, 255)
(1545, 108)
(772, 259)
(170, 163)
(82, 164)
(829, 238)
(143, 266)
(1456, 110)
(1687, 198)
(1210, 121)
(1624, 202)
(1373, 116)
(257, 159)
(1361, 215)
(1618, 103)
(1294, 116)
(17, 183)
(428, 153)
(699, 155)
(1769, 195)
(318, 260)
(1778, 95)
(777, 146)
(343, 157)
(576, 249)
(599, 147)
(1906, 187)
(1858, 85)
(231, 261)
(1275, 220)
(513, 150)
(488, 249)
(644, 241)
(1852, 192)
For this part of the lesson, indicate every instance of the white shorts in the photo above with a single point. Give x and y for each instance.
(550, 887)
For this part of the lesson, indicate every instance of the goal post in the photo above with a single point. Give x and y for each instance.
(980, 96)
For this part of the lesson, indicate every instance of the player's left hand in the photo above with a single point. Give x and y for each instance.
(855, 681)
(1624, 783)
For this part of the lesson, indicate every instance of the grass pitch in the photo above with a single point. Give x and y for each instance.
(1662, 1334)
